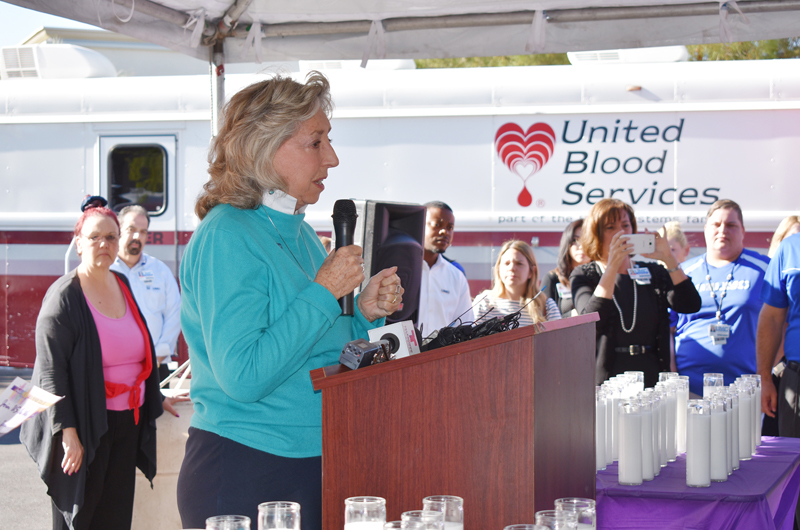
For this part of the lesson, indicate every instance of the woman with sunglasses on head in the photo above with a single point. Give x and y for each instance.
(94, 349)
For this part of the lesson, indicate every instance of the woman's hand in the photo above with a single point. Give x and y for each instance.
(169, 404)
(618, 251)
(382, 296)
(73, 451)
(342, 271)
(618, 255)
(662, 252)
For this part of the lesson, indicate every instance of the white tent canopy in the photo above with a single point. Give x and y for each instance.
(273, 30)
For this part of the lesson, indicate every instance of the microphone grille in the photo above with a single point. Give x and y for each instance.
(344, 211)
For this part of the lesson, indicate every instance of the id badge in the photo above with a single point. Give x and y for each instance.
(719, 333)
(564, 292)
(640, 275)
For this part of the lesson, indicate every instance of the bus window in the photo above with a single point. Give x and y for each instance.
(137, 174)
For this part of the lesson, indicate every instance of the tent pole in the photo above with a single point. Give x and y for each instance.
(217, 73)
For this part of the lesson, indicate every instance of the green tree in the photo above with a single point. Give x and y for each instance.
(764, 49)
(505, 60)
(736, 51)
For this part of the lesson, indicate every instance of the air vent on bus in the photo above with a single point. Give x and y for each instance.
(660, 54)
(54, 61)
(18, 62)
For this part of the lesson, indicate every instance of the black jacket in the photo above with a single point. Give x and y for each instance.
(69, 363)
(682, 298)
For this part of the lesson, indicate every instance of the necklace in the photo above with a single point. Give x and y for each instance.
(288, 248)
(621, 319)
(619, 309)
(723, 288)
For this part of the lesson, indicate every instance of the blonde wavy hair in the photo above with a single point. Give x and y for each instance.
(256, 122)
(674, 231)
(780, 233)
(536, 309)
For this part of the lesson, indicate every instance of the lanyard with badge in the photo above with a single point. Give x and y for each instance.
(719, 332)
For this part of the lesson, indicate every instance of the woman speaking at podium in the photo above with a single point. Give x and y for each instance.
(632, 298)
(259, 307)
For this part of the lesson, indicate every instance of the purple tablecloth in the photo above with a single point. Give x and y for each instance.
(761, 495)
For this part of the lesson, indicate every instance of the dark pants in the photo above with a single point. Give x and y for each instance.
(163, 371)
(223, 477)
(789, 410)
(110, 478)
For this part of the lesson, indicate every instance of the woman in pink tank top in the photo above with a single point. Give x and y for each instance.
(93, 348)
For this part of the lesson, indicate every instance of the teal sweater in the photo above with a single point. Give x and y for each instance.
(256, 324)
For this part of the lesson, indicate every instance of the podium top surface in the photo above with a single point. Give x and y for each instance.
(333, 375)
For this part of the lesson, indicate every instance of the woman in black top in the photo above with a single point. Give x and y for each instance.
(633, 330)
(570, 255)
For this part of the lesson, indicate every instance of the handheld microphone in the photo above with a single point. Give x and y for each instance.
(344, 226)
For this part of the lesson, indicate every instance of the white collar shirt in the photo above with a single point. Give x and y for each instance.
(443, 297)
(156, 292)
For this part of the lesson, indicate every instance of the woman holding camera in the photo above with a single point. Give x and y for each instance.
(632, 298)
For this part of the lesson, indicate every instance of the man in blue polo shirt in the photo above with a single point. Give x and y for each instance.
(781, 296)
(720, 338)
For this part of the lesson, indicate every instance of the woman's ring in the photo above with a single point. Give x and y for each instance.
(395, 299)
(397, 289)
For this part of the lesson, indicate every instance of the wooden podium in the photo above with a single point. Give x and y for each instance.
(506, 422)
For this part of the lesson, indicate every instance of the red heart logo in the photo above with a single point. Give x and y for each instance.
(525, 153)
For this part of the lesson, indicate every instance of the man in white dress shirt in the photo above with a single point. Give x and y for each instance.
(444, 297)
(152, 282)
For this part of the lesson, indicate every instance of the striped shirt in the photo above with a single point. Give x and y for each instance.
(490, 307)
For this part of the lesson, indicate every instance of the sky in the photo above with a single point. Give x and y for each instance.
(17, 23)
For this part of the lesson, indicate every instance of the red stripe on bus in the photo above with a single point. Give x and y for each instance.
(460, 238)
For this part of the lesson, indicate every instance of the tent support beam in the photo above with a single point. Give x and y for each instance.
(216, 72)
(515, 18)
(216, 32)
(679, 10)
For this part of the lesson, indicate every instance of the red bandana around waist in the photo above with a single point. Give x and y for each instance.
(116, 389)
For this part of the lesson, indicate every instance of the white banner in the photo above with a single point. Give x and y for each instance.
(540, 172)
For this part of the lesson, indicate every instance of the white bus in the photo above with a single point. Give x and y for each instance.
(517, 152)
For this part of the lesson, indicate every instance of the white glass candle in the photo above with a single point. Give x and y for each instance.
(729, 430)
(698, 444)
(279, 515)
(228, 522)
(655, 399)
(584, 509)
(364, 513)
(663, 429)
(710, 383)
(672, 422)
(432, 520)
(608, 390)
(646, 408)
(615, 398)
(757, 416)
(451, 506)
(557, 519)
(636, 381)
(682, 397)
(734, 393)
(630, 443)
(600, 429)
(719, 442)
(665, 376)
(745, 417)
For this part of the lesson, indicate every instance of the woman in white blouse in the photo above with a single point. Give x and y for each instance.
(515, 283)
